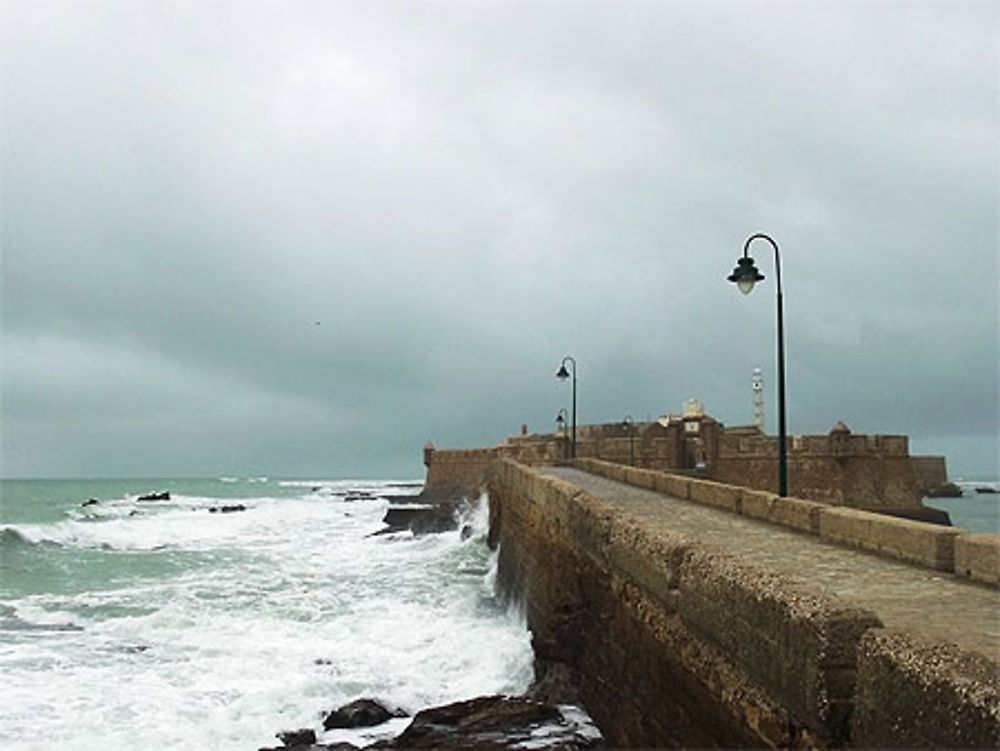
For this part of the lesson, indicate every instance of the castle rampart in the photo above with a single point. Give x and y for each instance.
(873, 472)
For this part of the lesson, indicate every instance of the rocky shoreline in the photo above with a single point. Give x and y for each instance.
(547, 716)
(485, 723)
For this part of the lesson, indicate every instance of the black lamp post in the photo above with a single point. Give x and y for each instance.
(561, 428)
(628, 424)
(745, 276)
(562, 375)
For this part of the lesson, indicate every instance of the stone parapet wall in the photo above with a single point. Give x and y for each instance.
(914, 694)
(943, 548)
(680, 644)
(977, 557)
(925, 544)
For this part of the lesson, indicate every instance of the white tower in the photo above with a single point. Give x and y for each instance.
(757, 384)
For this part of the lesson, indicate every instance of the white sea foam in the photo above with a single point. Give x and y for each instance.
(289, 609)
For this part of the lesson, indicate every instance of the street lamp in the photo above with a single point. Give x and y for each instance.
(745, 276)
(562, 375)
(561, 428)
(627, 423)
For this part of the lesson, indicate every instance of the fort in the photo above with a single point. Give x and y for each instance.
(873, 472)
(692, 607)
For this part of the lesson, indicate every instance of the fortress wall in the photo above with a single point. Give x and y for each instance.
(867, 481)
(931, 472)
(460, 471)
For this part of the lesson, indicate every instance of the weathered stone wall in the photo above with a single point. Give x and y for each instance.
(944, 548)
(681, 645)
(460, 472)
(930, 471)
(862, 471)
(678, 645)
(911, 694)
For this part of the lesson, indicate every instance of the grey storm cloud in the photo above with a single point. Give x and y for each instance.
(305, 238)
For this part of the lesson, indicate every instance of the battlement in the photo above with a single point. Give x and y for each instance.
(843, 468)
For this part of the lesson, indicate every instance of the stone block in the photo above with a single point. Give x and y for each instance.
(599, 467)
(554, 493)
(796, 643)
(789, 512)
(930, 545)
(616, 471)
(642, 478)
(977, 557)
(921, 694)
(676, 486)
(715, 494)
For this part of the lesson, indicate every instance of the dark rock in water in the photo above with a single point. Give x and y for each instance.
(304, 737)
(358, 495)
(312, 746)
(986, 489)
(420, 520)
(161, 496)
(227, 509)
(490, 723)
(90, 502)
(425, 518)
(948, 490)
(361, 713)
(920, 514)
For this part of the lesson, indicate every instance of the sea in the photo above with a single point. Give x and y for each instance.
(978, 508)
(166, 624)
(241, 607)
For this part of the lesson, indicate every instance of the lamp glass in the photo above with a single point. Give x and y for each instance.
(746, 284)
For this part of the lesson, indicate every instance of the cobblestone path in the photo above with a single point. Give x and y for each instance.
(925, 602)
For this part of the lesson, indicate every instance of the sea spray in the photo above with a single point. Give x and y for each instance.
(163, 622)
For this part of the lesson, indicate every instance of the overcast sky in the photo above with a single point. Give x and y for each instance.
(304, 238)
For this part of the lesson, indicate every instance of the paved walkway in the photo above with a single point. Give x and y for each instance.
(922, 601)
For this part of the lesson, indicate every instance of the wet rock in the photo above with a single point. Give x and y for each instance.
(304, 737)
(299, 740)
(358, 495)
(361, 713)
(227, 509)
(90, 502)
(163, 495)
(488, 724)
(948, 490)
(420, 520)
